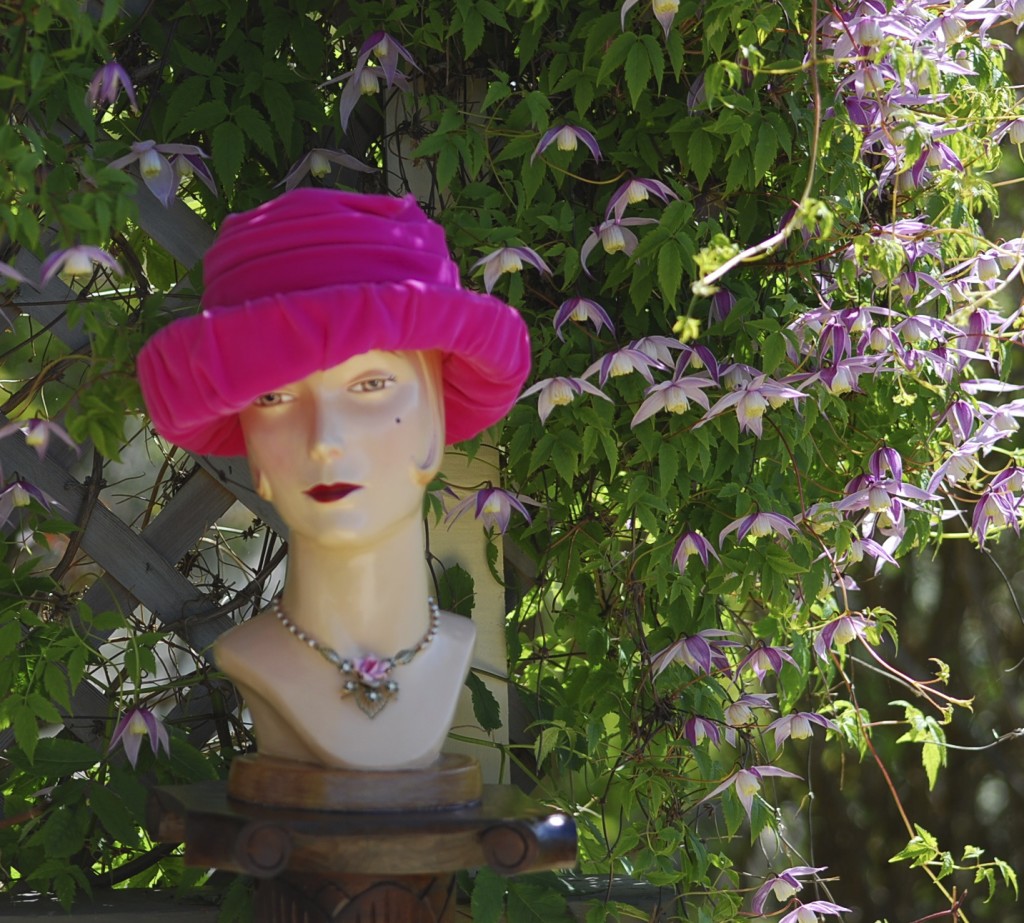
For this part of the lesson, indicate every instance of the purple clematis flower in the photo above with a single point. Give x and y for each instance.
(614, 236)
(692, 543)
(77, 261)
(750, 401)
(556, 392)
(623, 362)
(696, 729)
(9, 272)
(317, 163)
(762, 658)
(634, 191)
(747, 783)
(997, 507)
(673, 396)
(493, 507)
(364, 78)
(37, 434)
(809, 913)
(567, 138)
(702, 652)
(156, 170)
(798, 726)
(580, 310)
(664, 11)
(22, 493)
(758, 525)
(508, 259)
(840, 632)
(107, 82)
(137, 723)
(783, 886)
(741, 712)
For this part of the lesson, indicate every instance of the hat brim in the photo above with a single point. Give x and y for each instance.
(199, 372)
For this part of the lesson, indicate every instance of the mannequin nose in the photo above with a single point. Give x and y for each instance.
(327, 438)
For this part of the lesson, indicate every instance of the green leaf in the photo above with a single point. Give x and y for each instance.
(638, 72)
(472, 30)
(55, 681)
(64, 832)
(530, 903)
(113, 813)
(55, 757)
(670, 270)
(181, 101)
(668, 468)
(205, 116)
(255, 127)
(701, 151)
(456, 590)
(488, 898)
(228, 153)
(616, 55)
(764, 151)
(485, 706)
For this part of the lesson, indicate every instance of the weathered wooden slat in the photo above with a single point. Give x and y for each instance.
(178, 229)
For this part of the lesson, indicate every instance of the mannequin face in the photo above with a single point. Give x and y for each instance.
(345, 454)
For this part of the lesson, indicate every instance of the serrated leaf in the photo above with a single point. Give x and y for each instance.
(472, 30)
(764, 151)
(181, 101)
(700, 152)
(638, 72)
(530, 903)
(456, 590)
(486, 709)
(255, 127)
(488, 898)
(113, 813)
(206, 115)
(55, 757)
(228, 152)
(670, 270)
(773, 351)
(497, 91)
(55, 681)
(668, 468)
(615, 56)
(279, 105)
(63, 833)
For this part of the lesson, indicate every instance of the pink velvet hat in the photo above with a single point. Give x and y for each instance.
(308, 280)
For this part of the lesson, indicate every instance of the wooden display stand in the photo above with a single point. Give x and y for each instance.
(358, 847)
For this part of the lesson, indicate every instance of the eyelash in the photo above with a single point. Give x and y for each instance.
(272, 399)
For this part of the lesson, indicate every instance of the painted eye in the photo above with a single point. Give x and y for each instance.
(377, 383)
(272, 399)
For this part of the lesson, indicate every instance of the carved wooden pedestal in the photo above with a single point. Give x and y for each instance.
(358, 847)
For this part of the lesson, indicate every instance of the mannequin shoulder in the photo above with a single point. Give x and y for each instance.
(457, 628)
(245, 644)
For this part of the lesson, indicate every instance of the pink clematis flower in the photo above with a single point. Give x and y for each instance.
(580, 310)
(762, 658)
(556, 392)
(156, 170)
(493, 507)
(9, 272)
(508, 259)
(747, 783)
(364, 78)
(137, 723)
(77, 261)
(696, 729)
(567, 138)
(373, 669)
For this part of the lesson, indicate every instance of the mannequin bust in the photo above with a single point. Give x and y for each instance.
(345, 455)
(338, 351)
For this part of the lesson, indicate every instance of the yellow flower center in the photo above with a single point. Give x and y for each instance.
(612, 239)
(560, 393)
(509, 261)
(661, 7)
(319, 165)
(566, 139)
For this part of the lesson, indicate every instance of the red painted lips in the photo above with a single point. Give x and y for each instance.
(329, 493)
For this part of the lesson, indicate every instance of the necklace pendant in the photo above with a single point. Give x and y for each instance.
(370, 697)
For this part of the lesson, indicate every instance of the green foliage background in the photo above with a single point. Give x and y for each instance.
(735, 110)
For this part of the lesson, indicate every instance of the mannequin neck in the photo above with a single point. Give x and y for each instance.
(360, 600)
